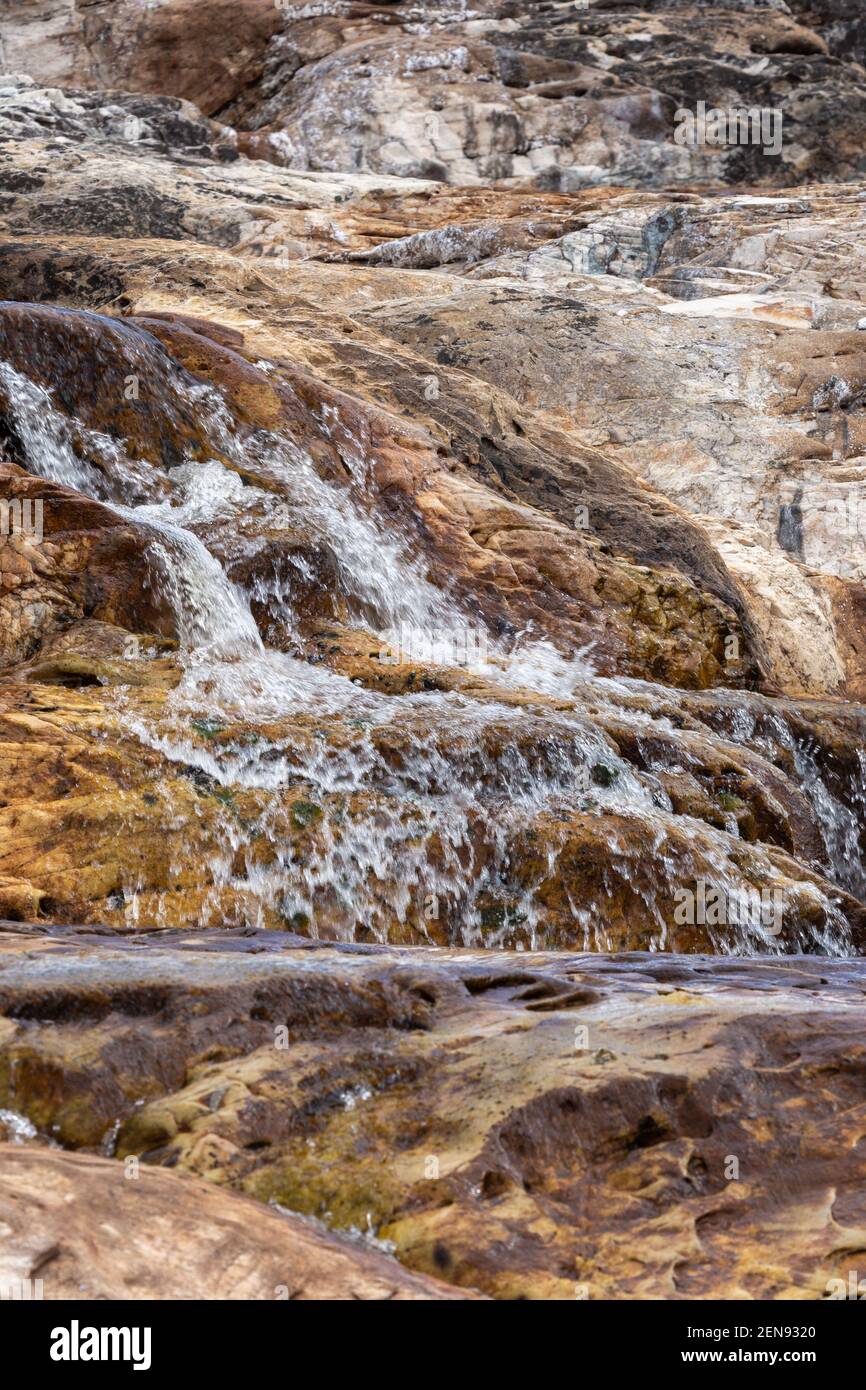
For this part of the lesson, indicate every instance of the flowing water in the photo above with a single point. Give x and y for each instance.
(417, 801)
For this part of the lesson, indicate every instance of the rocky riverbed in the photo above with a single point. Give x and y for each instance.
(432, 647)
(544, 1126)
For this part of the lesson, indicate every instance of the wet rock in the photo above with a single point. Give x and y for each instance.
(433, 646)
(553, 491)
(75, 560)
(521, 1124)
(87, 1228)
(545, 878)
(522, 564)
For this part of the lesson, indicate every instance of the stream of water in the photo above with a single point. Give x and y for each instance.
(418, 798)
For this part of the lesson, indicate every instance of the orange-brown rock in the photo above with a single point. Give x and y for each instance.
(532, 1125)
(432, 649)
(85, 1228)
(207, 52)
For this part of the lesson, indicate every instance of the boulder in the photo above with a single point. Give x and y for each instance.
(82, 1228)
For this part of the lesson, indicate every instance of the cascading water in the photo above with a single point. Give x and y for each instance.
(839, 822)
(416, 798)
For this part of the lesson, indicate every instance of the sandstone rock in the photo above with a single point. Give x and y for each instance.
(433, 648)
(206, 52)
(586, 95)
(479, 532)
(532, 1125)
(517, 559)
(809, 451)
(839, 22)
(87, 1230)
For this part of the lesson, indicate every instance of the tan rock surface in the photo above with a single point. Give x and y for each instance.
(583, 93)
(207, 52)
(432, 649)
(534, 1125)
(640, 584)
(87, 1230)
(696, 388)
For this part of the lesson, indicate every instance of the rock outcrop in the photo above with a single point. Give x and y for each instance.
(87, 1228)
(207, 52)
(564, 95)
(531, 1126)
(391, 456)
(432, 550)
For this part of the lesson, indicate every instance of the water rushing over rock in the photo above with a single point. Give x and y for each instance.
(460, 811)
(417, 562)
(433, 650)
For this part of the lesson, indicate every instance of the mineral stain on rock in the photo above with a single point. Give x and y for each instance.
(432, 558)
(790, 532)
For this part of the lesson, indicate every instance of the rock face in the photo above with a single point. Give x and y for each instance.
(564, 95)
(207, 52)
(87, 1228)
(432, 497)
(532, 1126)
(285, 437)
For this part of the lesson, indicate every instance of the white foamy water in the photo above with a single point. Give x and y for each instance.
(18, 1127)
(415, 802)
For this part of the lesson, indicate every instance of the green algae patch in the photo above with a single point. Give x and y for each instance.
(305, 813)
(337, 1188)
(208, 728)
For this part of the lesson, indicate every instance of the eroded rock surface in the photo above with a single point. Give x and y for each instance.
(432, 648)
(297, 436)
(207, 52)
(86, 1229)
(531, 1125)
(564, 95)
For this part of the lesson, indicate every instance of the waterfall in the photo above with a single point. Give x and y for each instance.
(415, 799)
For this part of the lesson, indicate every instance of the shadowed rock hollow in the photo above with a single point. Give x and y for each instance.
(432, 501)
